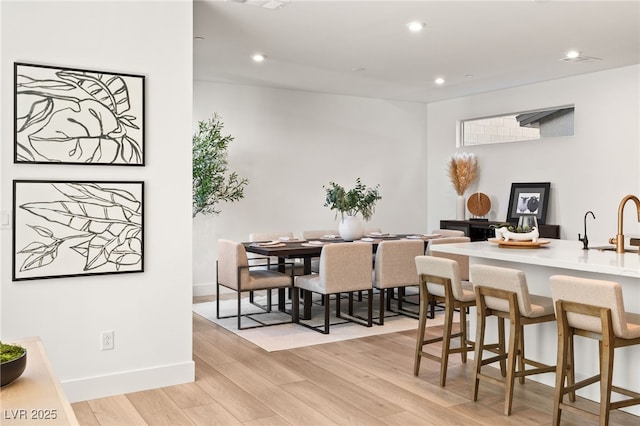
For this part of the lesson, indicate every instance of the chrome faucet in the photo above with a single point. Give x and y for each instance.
(618, 240)
(585, 240)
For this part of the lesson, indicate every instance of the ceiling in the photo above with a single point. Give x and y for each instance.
(364, 48)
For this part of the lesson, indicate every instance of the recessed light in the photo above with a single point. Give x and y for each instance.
(572, 54)
(199, 38)
(358, 69)
(415, 26)
(258, 57)
(439, 81)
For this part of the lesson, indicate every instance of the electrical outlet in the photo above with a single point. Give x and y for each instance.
(106, 340)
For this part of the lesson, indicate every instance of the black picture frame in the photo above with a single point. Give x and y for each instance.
(529, 198)
(77, 228)
(78, 116)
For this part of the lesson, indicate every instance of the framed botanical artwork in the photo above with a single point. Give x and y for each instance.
(76, 228)
(528, 199)
(75, 116)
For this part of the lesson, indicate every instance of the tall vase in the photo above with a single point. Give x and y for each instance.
(351, 228)
(460, 208)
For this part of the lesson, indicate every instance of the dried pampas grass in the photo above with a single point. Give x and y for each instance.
(463, 170)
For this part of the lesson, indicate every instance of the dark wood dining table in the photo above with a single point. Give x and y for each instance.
(307, 250)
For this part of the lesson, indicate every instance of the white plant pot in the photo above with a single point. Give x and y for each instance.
(351, 228)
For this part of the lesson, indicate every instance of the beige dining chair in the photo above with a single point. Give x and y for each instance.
(440, 281)
(283, 236)
(269, 236)
(344, 268)
(503, 293)
(233, 271)
(372, 230)
(591, 309)
(449, 232)
(316, 235)
(395, 267)
(298, 268)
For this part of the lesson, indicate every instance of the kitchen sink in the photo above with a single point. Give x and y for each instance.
(613, 248)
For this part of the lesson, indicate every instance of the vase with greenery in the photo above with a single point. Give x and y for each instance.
(212, 181)
(360, 199)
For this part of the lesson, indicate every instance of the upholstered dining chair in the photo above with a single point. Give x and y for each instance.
(440, 282)
(317, 234)
(275, 236)
(395, 267)
(344, 268)
(270, 236)
(372, 230)
(593, 309)
(234, 272)
(263, 236)
(449, 232)
(503, 293)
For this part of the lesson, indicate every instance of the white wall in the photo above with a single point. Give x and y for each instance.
(150, 312)
(592, 170)
(290, 143)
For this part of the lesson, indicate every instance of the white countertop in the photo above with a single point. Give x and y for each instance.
(558, 253)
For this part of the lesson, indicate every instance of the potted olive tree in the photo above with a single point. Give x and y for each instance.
(359, 199)
(212, 181)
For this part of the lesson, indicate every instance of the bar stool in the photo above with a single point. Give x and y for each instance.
(503, 292)
(451, 237)
(593, 309)
(440, 282)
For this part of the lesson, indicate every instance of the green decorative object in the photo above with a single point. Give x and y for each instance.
(13, 361)
(212, 181)
(360, 199)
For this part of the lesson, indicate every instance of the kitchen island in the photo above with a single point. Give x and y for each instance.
(564, 257)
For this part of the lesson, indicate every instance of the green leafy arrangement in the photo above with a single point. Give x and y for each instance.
(511, 228)
(10, 352)
(212, 181)
(360, 199)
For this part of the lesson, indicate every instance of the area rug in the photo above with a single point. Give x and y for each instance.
(289, 336)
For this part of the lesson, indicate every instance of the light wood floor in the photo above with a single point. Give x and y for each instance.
(367, 381)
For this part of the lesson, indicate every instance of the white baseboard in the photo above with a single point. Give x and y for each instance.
(204, 289)
(128, 381)
(208, 289)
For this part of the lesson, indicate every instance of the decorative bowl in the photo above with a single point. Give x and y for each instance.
(505, 234)
(11, 370)
(526, 230)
